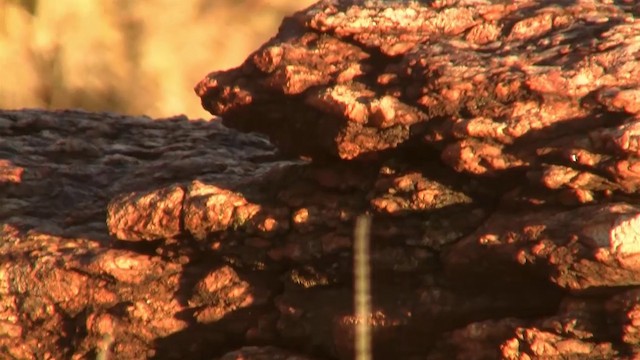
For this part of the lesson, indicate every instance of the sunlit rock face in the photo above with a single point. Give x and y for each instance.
(494, 145)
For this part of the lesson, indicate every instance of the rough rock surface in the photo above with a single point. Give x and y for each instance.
(495, 145)
(68, 289)
(533, 105)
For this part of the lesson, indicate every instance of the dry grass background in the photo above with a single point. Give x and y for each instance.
(129, 56)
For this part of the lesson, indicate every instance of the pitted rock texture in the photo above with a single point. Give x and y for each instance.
(534, 105)
(493, 144)
(205, 253)
(68, 290)
(491, 86)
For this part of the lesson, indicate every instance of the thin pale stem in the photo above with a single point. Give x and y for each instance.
(362, 287)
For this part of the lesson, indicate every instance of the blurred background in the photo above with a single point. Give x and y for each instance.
(129, 56)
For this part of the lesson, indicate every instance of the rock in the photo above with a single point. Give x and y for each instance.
(70, 289)
(358, 78)
(534, 109)
(556, 245)
(494, 146)
(148, 216)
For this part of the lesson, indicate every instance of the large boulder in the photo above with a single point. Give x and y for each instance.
(493, 144)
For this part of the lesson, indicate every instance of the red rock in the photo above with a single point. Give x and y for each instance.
(493, 145)
(148, 216)
(556, 245)
(9, 173)
(209, 209)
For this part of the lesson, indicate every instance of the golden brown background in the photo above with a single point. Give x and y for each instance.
(128, 56)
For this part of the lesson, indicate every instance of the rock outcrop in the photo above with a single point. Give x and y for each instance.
(494, 145)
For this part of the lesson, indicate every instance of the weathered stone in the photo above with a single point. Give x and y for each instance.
(62, 272)
(494, 146)
(150, 216)
(556, 245)
(419, 71)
